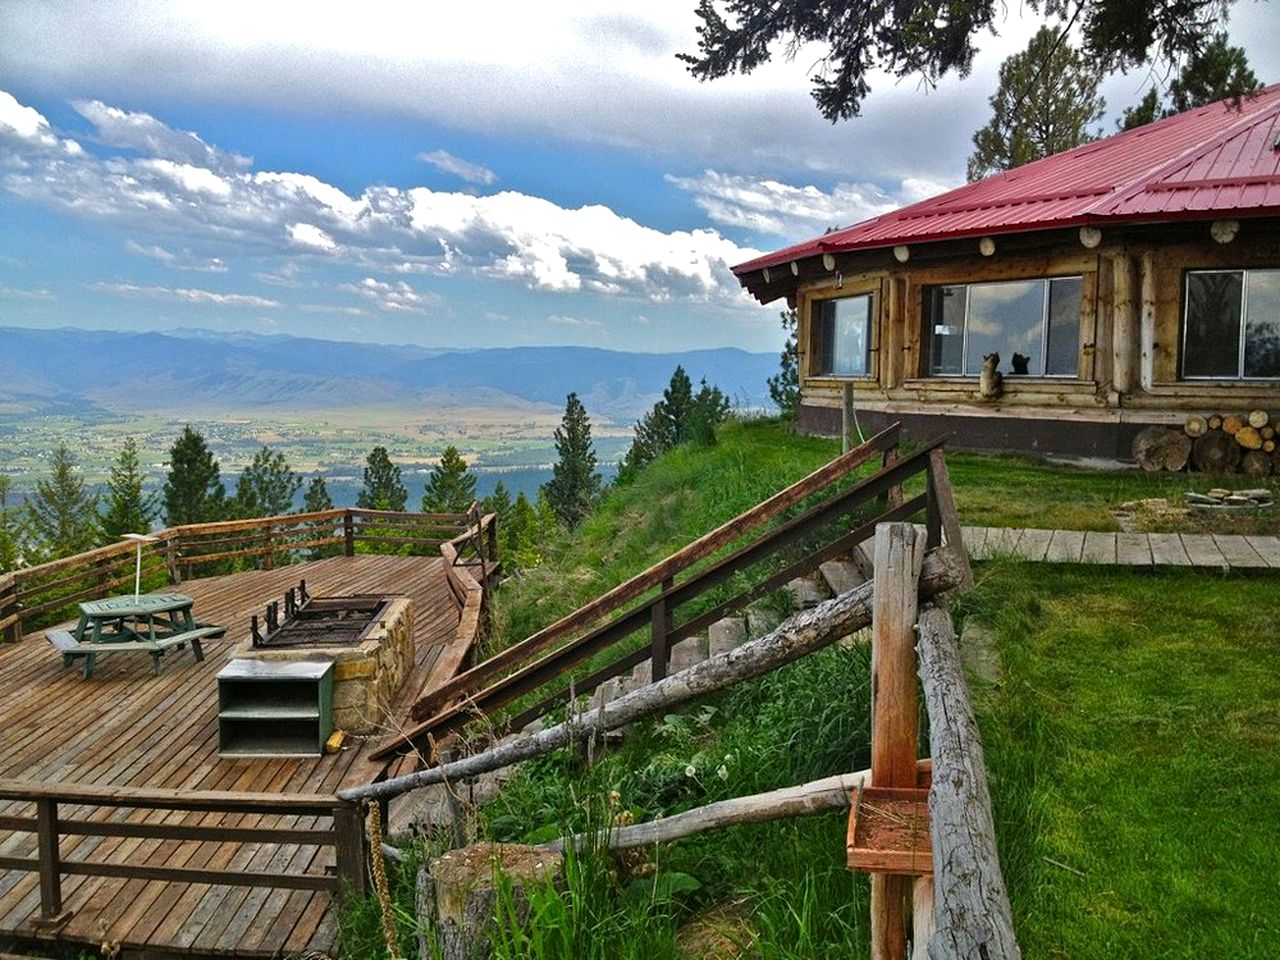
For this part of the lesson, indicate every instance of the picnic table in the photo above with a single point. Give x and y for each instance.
(151, 623)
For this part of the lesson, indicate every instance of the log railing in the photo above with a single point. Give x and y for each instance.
(683, 594)
(36, 596)
(54, 813)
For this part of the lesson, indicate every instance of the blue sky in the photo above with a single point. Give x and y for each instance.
(415, 172)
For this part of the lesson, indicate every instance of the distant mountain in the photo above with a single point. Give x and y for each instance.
(46, 370)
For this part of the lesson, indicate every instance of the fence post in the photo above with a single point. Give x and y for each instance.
(350, 849)
(51, 912)
(659, 629)
(10, 608)
(348, 534)
(171, 560)
(848, 421)
(895, 710)
(268, 557)
(493, 539)
(894, 497)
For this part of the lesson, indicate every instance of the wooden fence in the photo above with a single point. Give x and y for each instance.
(36, 596)
(832, 511)
(80, 811)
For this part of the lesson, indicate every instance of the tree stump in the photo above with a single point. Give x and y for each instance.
(1215, 452)
(1161, 448)
(1255, 463)
(1249, 438)
(460, 895)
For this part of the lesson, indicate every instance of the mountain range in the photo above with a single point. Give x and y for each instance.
(80, 370)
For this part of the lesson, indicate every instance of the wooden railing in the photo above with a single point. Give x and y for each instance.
(652, 600)
(62, 811)
(39, 595)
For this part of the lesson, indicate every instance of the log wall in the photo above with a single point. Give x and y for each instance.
(1130, 330)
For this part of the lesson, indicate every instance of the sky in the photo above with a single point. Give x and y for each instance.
(450, 175)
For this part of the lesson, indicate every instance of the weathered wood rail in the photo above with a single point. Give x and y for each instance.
(72, 810)
(834, 512)
(39, 595)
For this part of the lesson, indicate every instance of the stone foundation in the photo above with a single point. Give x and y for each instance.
(367, 675)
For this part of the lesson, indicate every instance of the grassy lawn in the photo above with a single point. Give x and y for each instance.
(1134, 752)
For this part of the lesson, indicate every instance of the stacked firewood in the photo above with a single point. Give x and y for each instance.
(1220, 443)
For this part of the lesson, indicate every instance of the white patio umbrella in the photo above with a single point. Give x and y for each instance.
(139, 539)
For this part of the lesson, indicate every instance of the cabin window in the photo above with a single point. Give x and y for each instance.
(1231, 329)
(842, 336)
(1033, 324)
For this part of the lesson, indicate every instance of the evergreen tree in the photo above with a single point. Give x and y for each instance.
(574, 483)
(193, 490)
(382, 488)
(1046, 101)
(451, 487)
(10, 535)
(929, 40)
(128, 509)
(784, 388)
(316, 499)
(62, 514)
(710, 407)
(675, 422)
(497, 503)
(267, 486)
(518, 538)
(1217, 71)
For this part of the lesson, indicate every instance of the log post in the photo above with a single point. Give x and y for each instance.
(895, 710)
(1147, 321)
(1125, 326)
(848, 421)
(971, 911)
(922, 920)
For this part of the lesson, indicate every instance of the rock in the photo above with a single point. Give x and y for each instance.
(688, 652)
(841, 575)
(806, 593)
(724, 635)
(1218, 493)
(760, 620)
(1200, 499)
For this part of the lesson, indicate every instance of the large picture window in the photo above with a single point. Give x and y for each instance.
(1033, 324)
(1231, 327)
(842, 336)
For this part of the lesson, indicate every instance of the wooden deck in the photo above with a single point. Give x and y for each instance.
(1201, 550)
(127, 728)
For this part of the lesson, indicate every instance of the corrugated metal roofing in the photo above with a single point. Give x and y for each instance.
(1210, 162)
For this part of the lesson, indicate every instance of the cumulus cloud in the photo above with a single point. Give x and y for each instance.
(396, 297)
(185, 295)
(507, 235)
(773, 208)
(127, 130)
(446, 162)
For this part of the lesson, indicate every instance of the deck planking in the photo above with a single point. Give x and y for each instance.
(1203, 551)
(128, 728)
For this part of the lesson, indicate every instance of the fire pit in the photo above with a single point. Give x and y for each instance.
(369, 639)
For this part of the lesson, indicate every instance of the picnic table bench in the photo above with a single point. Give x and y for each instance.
(151, 623)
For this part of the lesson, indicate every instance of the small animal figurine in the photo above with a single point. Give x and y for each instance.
(991, 381)
(1020, 364)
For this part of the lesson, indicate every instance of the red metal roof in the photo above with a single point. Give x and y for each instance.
(1205, 163)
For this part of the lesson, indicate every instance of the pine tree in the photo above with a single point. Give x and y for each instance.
(193, 490)
(61, 513)
(451, 487)
(10, 535)
(710, 407)
(382, 488)
(574, 483)
(1047, 98)
(267, 486)
(128, 509)
(519, 536)
(784, 388)
(316, 499)
(497, 503)
(1215, 72)
(677, 410)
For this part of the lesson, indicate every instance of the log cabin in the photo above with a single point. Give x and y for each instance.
(1127, 282)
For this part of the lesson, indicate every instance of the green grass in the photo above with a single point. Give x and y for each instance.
(1134, 754)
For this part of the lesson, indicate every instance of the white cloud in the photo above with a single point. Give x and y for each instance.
(12, 293)
(770, 207)
(185, 295)
(562, 320)
(24, 123)
(507, 235)
(309, 235)
(142, 132)
(396, 297)
(446, 162)
(184, 260)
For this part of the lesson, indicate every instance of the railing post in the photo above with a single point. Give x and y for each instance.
(894, 497)
(268, 557)
(348, 534)
(350, 849)
(848, 419)
(659, 631)
(493, 539)
(10, 608)
(895, 711)
(51, 912)
(171, 560)
(942, 500)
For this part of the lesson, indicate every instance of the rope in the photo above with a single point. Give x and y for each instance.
(380, 884)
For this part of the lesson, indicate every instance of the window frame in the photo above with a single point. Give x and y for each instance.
(968, 285)
(814, 359)
(1242, 322)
